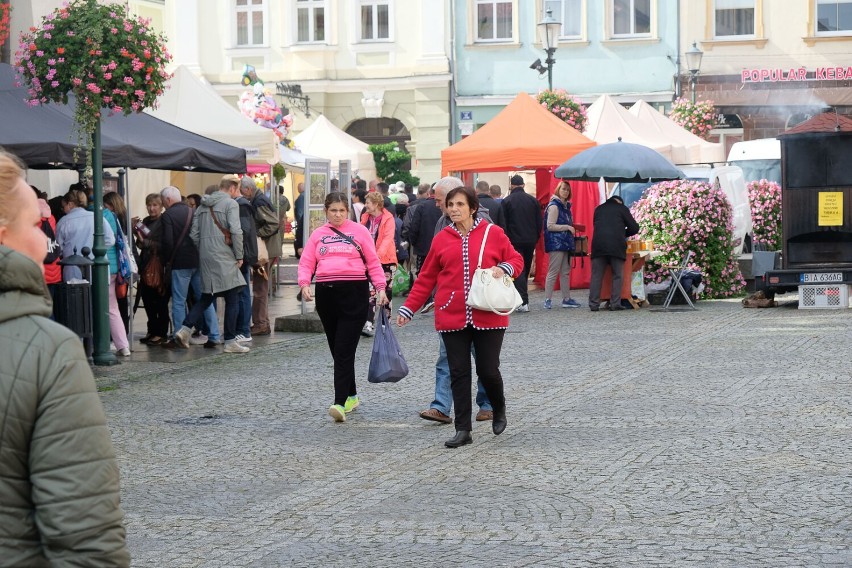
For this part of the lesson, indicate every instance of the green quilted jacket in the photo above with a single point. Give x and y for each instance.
(59, 495)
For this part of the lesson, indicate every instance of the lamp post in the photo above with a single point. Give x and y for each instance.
(693, 63)
(548, 30)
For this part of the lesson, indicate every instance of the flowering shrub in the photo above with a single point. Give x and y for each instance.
(699, 118)
(4, 23)
(565, 107)
(691, 215)
(97, 53)
(764, 197)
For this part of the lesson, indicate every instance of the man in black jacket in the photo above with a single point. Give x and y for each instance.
(249, 227)
(613, 224)
(521, 218)
(483, 192)
(175, 224)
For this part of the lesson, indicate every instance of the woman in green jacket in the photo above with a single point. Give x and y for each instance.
(59, 485)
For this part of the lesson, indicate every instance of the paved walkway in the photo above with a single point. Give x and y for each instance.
(711, 438)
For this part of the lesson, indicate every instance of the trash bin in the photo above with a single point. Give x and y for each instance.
(72, 303)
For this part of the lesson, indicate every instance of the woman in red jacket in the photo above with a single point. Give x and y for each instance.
(450, 264)
(382, 226)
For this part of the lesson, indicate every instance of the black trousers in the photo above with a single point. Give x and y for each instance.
(342, 308)
(521, 280)
(157, 310)
(487, 343)
(599, 264)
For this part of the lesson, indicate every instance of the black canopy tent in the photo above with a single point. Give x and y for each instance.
(43, 137)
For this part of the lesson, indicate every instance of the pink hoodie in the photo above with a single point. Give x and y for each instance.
(328, 257)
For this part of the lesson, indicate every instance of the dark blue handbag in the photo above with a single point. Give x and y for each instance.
(387, 365)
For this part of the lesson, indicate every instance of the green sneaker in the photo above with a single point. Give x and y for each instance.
(337, 412)
(351, 404)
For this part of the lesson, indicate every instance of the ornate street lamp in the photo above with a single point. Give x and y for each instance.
(548, 30)
(693, 63)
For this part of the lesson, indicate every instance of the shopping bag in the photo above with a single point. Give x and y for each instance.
(387, 365)
(401, 281)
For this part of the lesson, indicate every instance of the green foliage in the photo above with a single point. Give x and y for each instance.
(279, 172)
(389, 161)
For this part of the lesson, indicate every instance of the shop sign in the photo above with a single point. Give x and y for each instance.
(466, 115)
(796, 74)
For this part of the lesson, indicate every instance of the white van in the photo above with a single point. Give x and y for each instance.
(759, 159)
(731, 181)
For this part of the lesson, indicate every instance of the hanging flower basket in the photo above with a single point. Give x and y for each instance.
(96, 52)
(699, 118)
(565, 107)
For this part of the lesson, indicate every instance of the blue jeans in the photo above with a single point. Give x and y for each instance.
(443, 393)
(183, 280)
(244, 315)
(232, 300)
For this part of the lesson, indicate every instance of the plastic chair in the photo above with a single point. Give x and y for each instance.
(677, 271)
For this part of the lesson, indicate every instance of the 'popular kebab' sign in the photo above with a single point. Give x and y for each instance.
(796, 74)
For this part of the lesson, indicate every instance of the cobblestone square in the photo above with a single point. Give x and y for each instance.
(718, 437)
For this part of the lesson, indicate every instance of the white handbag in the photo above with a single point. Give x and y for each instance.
(487, 293)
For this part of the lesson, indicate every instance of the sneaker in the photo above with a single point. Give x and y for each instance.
(523, 308)
(351, 403)
(570, 303)
(240, 338)
(198, 339)
(182, 337)
(548, 304)
(428, 307)
(124, 352)
(367, 330)
(337, 412)
(234, 347)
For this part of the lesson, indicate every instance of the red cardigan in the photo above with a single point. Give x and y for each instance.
(445, 267)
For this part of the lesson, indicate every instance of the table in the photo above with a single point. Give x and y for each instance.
(636, 264)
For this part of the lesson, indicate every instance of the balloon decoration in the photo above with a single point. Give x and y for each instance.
(258, 104)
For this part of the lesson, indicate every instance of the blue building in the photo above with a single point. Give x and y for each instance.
(625, 48)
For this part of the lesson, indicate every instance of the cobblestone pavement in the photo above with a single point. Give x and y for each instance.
(712, 438)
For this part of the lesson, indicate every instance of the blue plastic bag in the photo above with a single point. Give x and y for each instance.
(387, 365)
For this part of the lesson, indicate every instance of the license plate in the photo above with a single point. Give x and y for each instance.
(820, 277)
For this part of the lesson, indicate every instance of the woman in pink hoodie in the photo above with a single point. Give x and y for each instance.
(342, 258)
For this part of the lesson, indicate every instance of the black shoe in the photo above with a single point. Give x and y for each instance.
(462, 438)
(498, 423)
(210, 344)
(594, 308)
(616, 308)
(172, 344)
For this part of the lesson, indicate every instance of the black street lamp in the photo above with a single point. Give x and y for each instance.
(693, 63)
(548, 30)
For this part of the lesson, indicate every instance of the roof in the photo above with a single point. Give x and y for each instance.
(324, 139)
(687, 148)
(610, 122)
(825, 122)
(192, 104)
(524, 135)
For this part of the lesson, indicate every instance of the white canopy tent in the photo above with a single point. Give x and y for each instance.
(324, 139)
(194, 105)
(609, 121)
(294, 159)
(696, 150)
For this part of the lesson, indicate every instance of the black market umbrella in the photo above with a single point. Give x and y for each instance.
(618, 162)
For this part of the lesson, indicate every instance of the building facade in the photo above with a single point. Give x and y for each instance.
(769, 65)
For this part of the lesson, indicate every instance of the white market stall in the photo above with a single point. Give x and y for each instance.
(697, 150)
(322, 138)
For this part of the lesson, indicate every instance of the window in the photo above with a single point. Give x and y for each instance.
(570, 13)
(834, 16)
(375, 20)
(734, 18)
(250, 22)
(631, 17)
(310, 21)
(493, 20)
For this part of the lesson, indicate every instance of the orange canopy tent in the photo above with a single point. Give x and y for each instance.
(524, 136)
(527, 136)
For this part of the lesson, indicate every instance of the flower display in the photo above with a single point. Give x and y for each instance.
(691, 215)
(565, 106)
(97, 53)
(764, 197)
(699, 118)
(4, 23)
